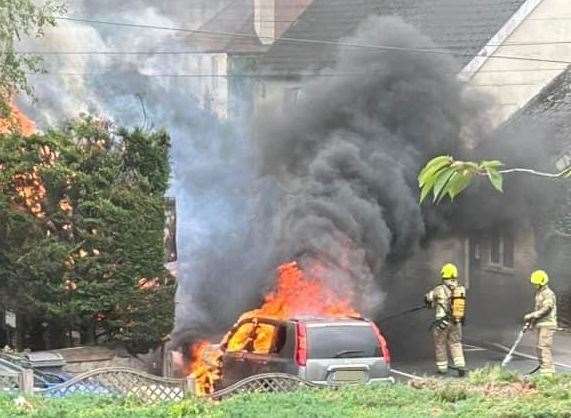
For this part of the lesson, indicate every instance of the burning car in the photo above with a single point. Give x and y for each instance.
(329, 351)
(304, 329)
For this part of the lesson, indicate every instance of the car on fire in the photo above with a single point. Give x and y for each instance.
(328, 351)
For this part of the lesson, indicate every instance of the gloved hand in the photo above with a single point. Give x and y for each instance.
(526, 326)
(529, 317)
(427, 302)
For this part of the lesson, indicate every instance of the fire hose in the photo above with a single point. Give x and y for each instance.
(520, 335)
(410, 310)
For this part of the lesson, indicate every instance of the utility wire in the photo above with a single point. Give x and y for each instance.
(310, 41)
(199, 51)
(231, 76)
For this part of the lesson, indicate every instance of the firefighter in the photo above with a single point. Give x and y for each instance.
(544, 320)
(449, 301)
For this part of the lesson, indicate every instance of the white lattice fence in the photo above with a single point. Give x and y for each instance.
(269, 382)
(122, 382)
(8, 382)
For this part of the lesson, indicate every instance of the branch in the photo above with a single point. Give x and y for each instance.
(533, 172)
(444, 176)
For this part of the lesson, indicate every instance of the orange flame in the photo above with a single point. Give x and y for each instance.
(17, 122)
(295, 294)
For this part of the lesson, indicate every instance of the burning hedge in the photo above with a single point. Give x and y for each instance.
(81, 227)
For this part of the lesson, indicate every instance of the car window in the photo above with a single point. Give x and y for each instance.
(280, 339)
(342, 341)
(240, 339)
(264, 338)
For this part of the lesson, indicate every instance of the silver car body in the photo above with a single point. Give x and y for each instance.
(338, 371)
(339, 351)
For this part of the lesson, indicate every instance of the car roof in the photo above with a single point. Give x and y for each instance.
(317, 320)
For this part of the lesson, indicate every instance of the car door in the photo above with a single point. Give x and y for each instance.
(234, 366)
(282, 352)
(260, 352)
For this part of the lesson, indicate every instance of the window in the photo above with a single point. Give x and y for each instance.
(508, 242)
(241, 338)
(291, 96)
(281, 339)
(215, 69)
(502, 248)
(264, 338)
(342, 341)
(495, 247)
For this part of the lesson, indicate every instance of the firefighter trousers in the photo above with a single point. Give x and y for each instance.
(544, 349)
(448, 339)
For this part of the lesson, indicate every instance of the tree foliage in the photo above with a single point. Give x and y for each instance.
(19, 19)
(81, 230)
(443, 176)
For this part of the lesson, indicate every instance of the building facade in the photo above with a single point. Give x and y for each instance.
(511, 50)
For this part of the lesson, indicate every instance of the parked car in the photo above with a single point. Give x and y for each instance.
(322, 350)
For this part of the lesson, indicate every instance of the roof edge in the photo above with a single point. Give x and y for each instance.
(472, 68)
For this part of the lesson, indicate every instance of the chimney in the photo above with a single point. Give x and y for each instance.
(272, 18)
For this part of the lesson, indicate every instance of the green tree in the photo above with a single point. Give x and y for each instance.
(20, 19)
(81, 232)
(446, 177)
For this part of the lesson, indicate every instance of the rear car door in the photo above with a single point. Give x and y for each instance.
(272, 349)
(344, 353)
(234, 367)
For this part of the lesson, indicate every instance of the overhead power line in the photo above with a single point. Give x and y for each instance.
(199, 51)
(238, 76)
(311, 41)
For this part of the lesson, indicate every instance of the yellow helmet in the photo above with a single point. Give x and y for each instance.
(449, 272)
(539, 277)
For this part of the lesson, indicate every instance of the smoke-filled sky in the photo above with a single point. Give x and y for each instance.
(331, 182)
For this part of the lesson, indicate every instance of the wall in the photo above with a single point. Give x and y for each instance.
(206, 80)
(272, 94)
(514, 82)
(501, 296)
(409, 335)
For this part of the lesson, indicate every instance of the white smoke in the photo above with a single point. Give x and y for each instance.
(213, 172)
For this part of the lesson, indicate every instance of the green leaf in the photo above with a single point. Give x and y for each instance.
(443, 177)
(432, 167)
(446, 187)
(425, 189)
(566, 173)
(457, 185)
(496, 179)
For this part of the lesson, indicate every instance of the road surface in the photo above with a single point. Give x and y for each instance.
(482, 353)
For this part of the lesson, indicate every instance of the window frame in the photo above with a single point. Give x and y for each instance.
(502, 236)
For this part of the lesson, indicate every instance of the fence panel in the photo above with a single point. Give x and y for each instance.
(269, 382)
(9, 382)
(121, 382)
(125, 382)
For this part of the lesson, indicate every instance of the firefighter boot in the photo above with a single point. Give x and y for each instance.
(461, 371)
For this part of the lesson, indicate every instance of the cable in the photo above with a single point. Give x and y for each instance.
(310, 41)
(230, 76)
(261, 76)
(199, 51)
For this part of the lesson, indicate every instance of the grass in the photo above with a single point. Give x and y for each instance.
(486, 393)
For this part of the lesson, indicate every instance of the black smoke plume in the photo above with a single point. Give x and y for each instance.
(349, 152)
